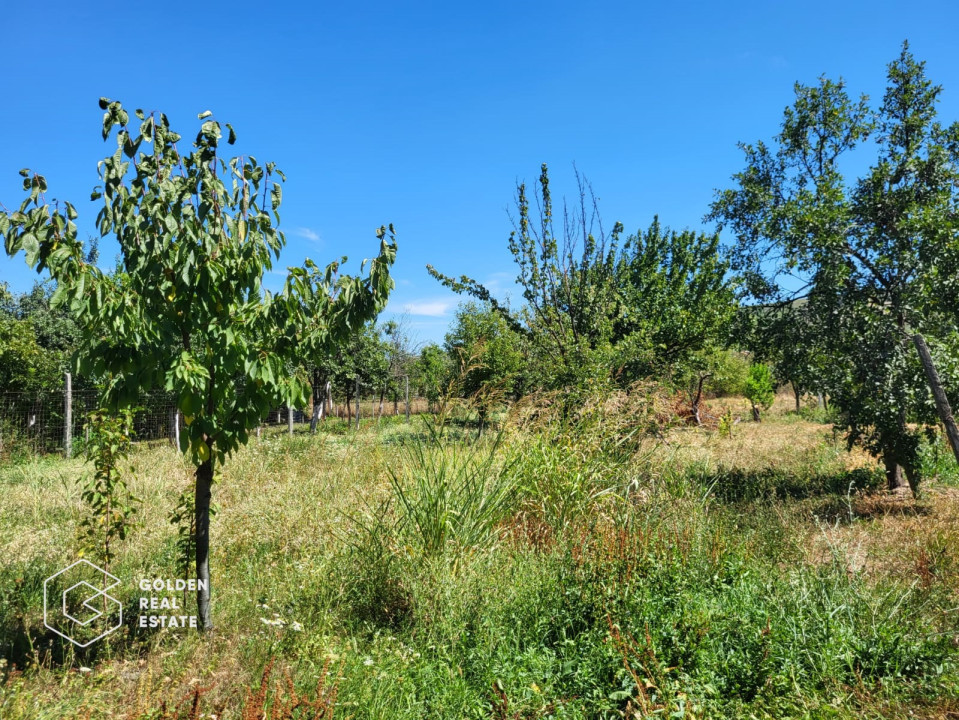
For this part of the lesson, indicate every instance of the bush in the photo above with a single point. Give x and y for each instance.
(759, 389)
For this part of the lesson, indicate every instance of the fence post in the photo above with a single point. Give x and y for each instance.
(407, 378)
(289, 418)
(68, 418)
(357, 403)
(176, 429)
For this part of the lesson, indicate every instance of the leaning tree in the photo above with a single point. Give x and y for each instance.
(186, 309)
(867, 253)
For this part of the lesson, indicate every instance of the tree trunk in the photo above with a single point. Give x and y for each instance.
(894, 479)
(756, 416)
(942, 402)
(699, 397)
(798, 395)
(204, 483)
(913, 477)
(319, 400)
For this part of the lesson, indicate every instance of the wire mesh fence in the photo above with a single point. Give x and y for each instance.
(55, 421)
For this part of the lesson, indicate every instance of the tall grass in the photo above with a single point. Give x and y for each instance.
(688, 581)
(453, 496)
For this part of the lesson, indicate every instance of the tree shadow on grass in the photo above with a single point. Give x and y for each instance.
(735, 485)
(25, 641)
(869, 506)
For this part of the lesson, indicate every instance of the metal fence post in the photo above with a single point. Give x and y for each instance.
(407, 378)
(289, 418)
(68, 418)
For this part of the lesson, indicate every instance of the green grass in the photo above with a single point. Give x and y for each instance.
(521, 576)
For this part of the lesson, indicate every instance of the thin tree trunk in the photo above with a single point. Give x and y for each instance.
(204, 484)
(317, 402)
(699, 397)
(798, 395)
(942, 402)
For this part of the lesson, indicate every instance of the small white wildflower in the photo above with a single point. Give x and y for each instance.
(85, 669)
(296, 626)
(368, 661)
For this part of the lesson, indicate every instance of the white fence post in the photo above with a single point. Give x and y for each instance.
(289, 418)
(407, 378)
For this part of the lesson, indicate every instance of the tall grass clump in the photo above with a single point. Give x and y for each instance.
(452, 495)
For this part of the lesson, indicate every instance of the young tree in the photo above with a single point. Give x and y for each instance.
(334, 309)
(866, 253)
(568, 281)
(759, 389)
(430, 369)
(491, 353)
(186, 309)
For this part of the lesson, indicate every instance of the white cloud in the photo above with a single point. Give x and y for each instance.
(497, 281)
(305, 232)
(428, 308)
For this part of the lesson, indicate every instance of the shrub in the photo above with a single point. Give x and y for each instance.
(759, 389)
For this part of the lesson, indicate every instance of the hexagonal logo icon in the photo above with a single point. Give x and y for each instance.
(76, 605)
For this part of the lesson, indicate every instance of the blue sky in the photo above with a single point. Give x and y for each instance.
(427, 114)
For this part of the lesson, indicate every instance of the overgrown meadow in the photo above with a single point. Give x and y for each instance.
(605, 511)
(546, 569)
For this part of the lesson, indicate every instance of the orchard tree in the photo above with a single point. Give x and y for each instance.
(430, 370)
(186, 309)
(789, 337)
(676, 299)
(595, 305)
(567, 276)
(868, 253)
(25, 365)
(759, 389)
(334, 309)
(490, 353)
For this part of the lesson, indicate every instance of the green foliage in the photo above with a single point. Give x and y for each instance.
(110, 506)
(490, 352)
(729, 370)
(674, 298)
(759, 388)
(186, 309)
(870, 252)
(430, 369)
(452, 498)
(726, 424)
(597, 307)
(561, 481)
